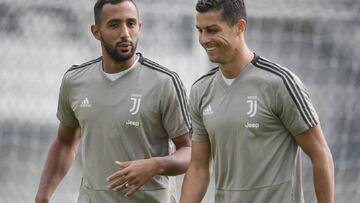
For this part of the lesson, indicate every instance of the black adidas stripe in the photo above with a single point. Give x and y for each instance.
(293, 88)
(211, 72)
(299, 93)
(180, 90)
(178, 86)
(74, 67)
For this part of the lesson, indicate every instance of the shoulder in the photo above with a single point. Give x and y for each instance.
(158, 71)
(202, 86)
(273, 68)
(76, 69)
(206, 79)
(284, 82)
(274, 72)
(84, 65)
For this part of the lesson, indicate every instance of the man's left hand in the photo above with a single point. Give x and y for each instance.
(132, 175)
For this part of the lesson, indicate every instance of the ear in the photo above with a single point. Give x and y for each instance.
(95, 31)
(140, 24)
(241, 26)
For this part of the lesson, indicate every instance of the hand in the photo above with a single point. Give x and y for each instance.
(132, 174)
(41, 200)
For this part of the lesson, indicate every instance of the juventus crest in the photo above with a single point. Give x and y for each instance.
(136, 104)
(252, 100)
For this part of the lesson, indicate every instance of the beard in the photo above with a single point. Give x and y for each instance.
(119, 56)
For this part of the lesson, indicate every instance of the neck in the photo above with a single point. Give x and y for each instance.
(112, 66)
(239, 61)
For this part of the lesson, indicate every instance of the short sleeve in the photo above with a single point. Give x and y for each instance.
(65, 113)
(175, 108)
(294, 106)
(199, 130)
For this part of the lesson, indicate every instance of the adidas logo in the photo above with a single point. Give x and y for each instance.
(208, 111)
(85, 103)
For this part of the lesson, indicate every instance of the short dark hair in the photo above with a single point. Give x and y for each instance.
(232, 10)
(100, 4)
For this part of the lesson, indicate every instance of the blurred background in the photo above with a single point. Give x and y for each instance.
(319, 40)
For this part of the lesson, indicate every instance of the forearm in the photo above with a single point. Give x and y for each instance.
(58, 163)
(323, 170)
(195, 184)
(313, 143)
(174, 164)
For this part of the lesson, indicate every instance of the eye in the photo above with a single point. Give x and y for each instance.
(113, 25)
(212, 30)
(131, 23)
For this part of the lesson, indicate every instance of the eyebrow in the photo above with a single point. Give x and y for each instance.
(120, 20)
(207, 27)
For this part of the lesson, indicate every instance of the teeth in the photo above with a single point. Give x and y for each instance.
(210, 48)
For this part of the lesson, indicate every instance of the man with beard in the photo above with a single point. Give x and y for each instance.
(123, 109)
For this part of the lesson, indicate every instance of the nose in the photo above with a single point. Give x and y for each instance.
(203, 38)
(124, 31)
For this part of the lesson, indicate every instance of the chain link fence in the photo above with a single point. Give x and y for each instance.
(39, 40)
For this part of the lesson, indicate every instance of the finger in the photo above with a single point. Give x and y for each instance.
(116, 182)
(118, 174)
(123, 164)
(133, 189)
(120, 187)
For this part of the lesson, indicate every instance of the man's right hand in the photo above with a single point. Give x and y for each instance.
(39, 199)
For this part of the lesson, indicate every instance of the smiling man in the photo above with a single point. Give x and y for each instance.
(251, 116)
(125, 110)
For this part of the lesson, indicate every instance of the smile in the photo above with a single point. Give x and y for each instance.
(210, 48)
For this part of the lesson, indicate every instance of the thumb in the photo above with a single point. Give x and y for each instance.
(123, 164)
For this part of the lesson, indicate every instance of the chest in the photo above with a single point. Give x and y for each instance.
(118, 104)
(240, 110)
